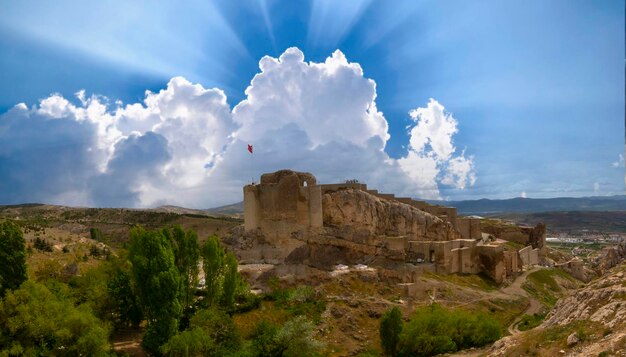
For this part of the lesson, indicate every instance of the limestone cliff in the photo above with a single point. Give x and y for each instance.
(366, 213)
(603, 301)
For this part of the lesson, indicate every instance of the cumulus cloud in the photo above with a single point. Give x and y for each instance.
(431, 156)
(184, 145)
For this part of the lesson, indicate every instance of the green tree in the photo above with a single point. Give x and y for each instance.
(193, 342)
(186, 257)
(297, 339)
(213, 265)
(96, 234)
(212, 332)
(12, 257)
(264, 340)
(231, 280)
(125, 304)
(390, 329)
(434, 330)
(157, 284)
(38, 321)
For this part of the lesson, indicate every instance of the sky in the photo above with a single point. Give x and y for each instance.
(141, 104)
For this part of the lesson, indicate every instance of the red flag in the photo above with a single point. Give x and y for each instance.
(250, 148)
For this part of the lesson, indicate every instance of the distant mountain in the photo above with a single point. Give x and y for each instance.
(488, 207)
(232, 210)
(493, 207)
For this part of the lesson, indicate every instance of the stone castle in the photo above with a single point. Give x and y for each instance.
(291, 220)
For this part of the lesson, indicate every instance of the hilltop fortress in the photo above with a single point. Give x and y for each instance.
(292, 223)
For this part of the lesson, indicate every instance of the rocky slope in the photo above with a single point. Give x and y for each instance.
(589, 322)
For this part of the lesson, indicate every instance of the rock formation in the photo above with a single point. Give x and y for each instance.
(290, 220)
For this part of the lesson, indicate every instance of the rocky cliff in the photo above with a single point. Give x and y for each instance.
(366, 213)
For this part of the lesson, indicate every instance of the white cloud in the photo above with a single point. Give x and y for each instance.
(523, 194)
(431, 150)
(619, 162)
(596, 187)
(184, 145)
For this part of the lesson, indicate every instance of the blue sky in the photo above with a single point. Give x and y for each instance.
(536, 87)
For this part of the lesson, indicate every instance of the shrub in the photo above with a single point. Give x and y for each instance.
(36, 320)
(42, 245)
(434, 330)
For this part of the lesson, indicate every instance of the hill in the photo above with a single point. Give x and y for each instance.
(489, 207)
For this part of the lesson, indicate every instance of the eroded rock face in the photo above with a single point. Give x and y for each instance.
(603, 300)
(369, 215)
(278, 176)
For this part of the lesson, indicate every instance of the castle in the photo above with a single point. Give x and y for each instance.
(295, 220)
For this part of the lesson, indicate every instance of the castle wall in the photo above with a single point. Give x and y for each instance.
(529, 256)
(343, 219)
(491, 258)
(511, 262)
(251, 211)
(283, 203)
(469, 227)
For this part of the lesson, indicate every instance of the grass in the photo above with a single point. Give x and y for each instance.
(514, 245)
(474, 281)
(505, 311)
(544, 287)
(529, 322)
(549, 341)
(269, 311)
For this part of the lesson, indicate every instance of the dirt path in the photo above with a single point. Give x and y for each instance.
(516, 289)
(128, 341)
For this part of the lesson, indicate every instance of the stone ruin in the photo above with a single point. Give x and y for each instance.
(292, 223)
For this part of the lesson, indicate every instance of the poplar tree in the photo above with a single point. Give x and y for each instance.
(186, 257)
(231, 279)
(157, 283)
(390, 329)
(213, 265)
(12, 257)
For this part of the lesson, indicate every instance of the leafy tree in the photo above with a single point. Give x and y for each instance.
(212, 332)
(264, 340)
(390, 329)
(231, 280)
(194, 342)
(186, 257)
(49, 270)
(297, 338)
(213, 265)
(12, 257)
(435, 330)
(125, 304)
(37, 320)
(157, 284)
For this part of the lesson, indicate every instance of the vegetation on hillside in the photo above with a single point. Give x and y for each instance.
(434, 330)
(154, 287)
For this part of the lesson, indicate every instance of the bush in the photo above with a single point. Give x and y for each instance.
(42, 245)
(96, 234)
(434, 330)
(37, 320)
(301, 300)
(211, 333)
